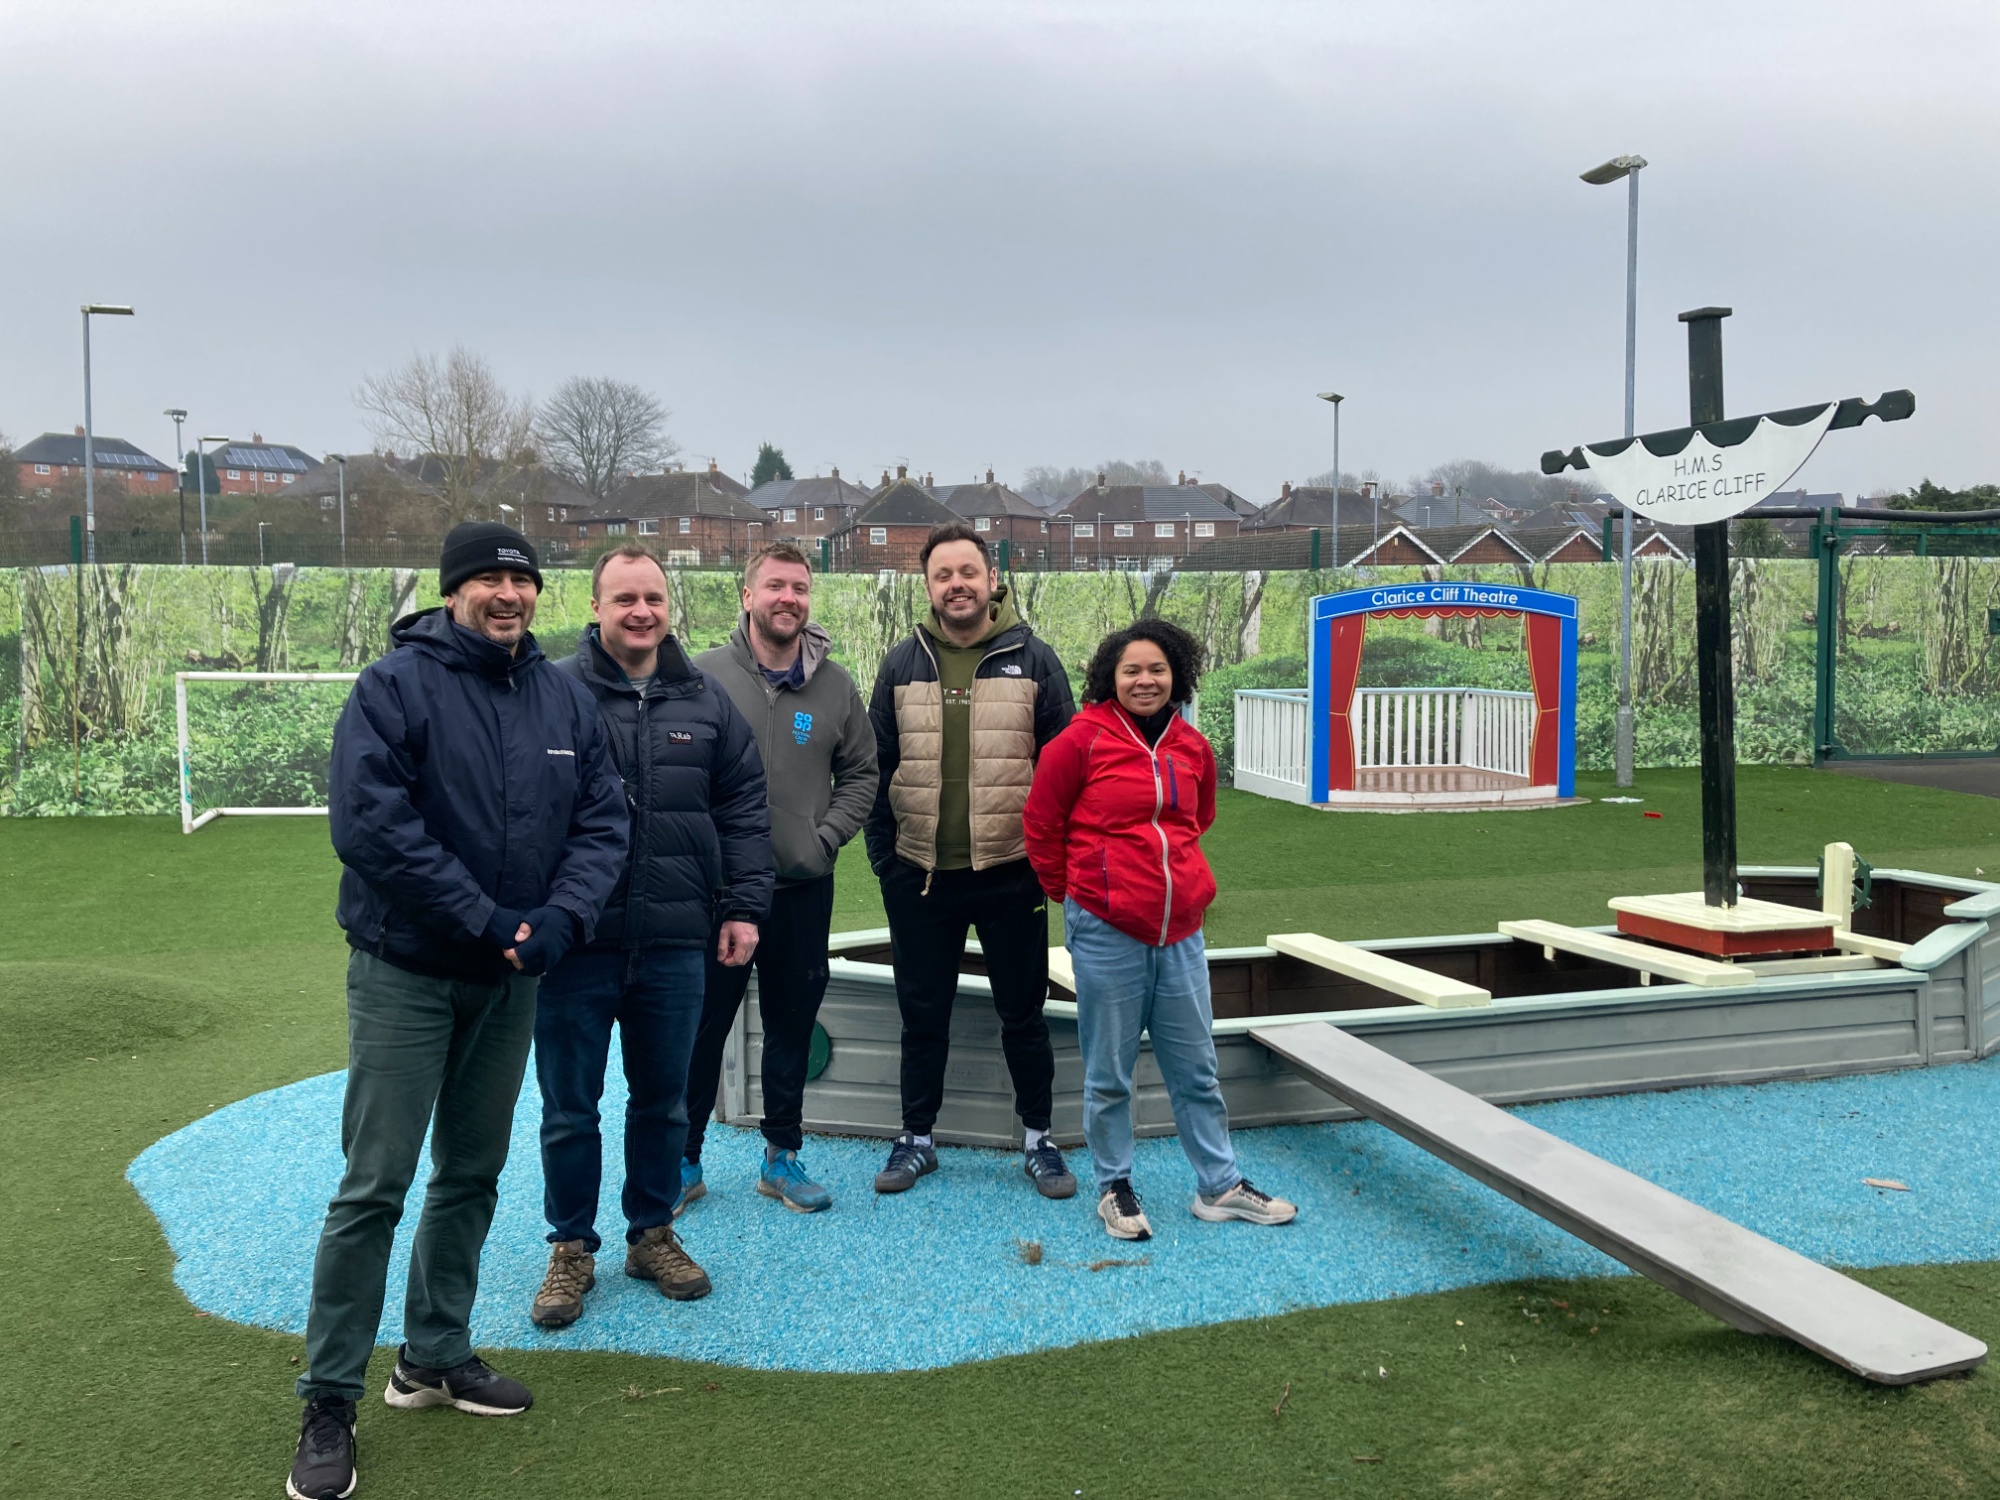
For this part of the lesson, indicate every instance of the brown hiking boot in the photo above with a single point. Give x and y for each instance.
(572, 1272)
(659, 1258)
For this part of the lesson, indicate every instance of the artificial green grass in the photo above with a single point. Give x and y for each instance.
(147, 978)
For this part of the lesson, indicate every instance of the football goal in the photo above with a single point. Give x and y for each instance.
(255, 744)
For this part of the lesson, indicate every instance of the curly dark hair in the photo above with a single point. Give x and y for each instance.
(1182, 650)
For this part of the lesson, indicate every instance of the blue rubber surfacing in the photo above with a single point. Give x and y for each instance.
(936, 1276)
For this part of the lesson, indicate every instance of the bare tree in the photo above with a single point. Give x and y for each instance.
(1064, 483)
(594, 430)
(452, 413)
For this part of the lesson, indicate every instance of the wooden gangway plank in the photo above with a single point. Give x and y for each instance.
(1749, 1282)
(1378, 969)
(1665, 962)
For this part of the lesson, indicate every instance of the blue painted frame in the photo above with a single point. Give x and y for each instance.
(1386, 600)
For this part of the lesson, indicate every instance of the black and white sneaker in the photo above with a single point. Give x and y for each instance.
(471, 1386)
(1044, 1165)
(1123, 1218)
(908, 1160)
(323, 1466)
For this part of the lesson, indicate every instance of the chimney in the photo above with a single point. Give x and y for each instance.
(1100, 482)
(836, 471)
(902, 471)
(989, 476)
(1285, 491)
(79, 431)
(927, 479)
(257, 438)
(1183, 478)
(1437, 488)
(711, 466)
(885, 479)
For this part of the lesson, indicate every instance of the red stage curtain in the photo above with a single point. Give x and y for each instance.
(1343, 673)
(1544, 633)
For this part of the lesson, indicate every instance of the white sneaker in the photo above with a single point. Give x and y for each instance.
(1244, 1202)
(1120, 1211)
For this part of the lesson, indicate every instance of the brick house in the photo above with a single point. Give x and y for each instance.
(692, 518)
(889, 531)
(1000, 514)
(56, 456)
(1142, 525)
(806, 510)
(1310, 507)
(256, 467)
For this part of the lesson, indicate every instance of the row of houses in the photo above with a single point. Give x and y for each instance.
(705, 517)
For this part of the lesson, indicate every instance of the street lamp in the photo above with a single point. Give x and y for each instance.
(1628, 168)
(341, 459)
(260, 542)
(201, 486)
(109, 310)
(1333, 517)
(179, 414)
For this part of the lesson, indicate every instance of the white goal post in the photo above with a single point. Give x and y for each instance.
(190, 819)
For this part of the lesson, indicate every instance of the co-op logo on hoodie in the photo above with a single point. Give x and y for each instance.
(802, 727)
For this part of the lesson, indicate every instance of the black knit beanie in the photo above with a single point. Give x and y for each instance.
(476, 547)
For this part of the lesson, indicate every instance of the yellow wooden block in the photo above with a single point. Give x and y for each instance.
(1385, 973)
(1684, 967)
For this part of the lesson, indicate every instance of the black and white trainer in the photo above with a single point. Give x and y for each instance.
(472, 1386)
(323, 1466)
(909, 1159)
(1045, 1167)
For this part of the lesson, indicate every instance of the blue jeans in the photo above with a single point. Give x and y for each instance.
(654, 994)
(1124, 987)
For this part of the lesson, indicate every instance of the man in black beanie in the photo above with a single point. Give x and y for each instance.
(481, 828)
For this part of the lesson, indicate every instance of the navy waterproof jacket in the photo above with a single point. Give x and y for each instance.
(701, 827)
(465, 777)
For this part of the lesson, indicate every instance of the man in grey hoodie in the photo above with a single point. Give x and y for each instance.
(819, 765)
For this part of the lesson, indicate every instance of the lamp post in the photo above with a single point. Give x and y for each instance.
(1333, 515)
(341, 459)
(1627, 167)
(109, 310)
(201, 486)
(179, 414)
(260, 542)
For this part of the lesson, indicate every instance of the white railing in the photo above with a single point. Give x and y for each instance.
(1271, 742)
(1476, 727)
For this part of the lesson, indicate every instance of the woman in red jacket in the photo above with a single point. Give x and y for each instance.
(1114, 821)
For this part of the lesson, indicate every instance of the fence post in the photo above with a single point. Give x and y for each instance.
(1826, 547)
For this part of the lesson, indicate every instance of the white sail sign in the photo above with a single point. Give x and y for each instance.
(1703, 482)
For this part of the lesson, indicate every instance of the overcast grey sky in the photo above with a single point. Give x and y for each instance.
(1012, 233)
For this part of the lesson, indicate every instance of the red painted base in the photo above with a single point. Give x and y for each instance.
(1814, 939)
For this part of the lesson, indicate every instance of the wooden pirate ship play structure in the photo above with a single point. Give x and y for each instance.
(1766, 973)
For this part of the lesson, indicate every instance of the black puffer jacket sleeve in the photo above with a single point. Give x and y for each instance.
(881, 827)
(600, 825)
(378, 831)
(742, 816)
(1054, 705)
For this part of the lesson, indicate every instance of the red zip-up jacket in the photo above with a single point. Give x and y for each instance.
(1116, 824)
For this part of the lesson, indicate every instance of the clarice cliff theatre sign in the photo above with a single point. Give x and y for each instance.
(1338, 623)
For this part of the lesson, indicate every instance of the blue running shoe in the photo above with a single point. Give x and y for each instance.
(692, 1187)
(784, 1179)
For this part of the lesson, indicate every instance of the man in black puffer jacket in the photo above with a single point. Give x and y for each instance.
(701, 856)
(480, 827)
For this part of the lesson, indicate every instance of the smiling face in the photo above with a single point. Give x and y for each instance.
(1145, 680)
(631, 609)
(498, 605)
(778, 599)
(960, 583)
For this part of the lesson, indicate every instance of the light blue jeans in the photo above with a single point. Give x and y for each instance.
(1125, 987)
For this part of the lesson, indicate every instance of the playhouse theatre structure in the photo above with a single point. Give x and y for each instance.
(1339, 745)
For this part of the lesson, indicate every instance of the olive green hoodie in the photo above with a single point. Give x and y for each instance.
(956, 667)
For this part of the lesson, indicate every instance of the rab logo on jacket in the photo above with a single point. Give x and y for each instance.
(679, 737)
(802, 727)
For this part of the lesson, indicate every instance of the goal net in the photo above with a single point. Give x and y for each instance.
(255, 744)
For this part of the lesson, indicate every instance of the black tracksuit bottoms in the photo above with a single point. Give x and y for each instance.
(927, 930)
(791, 981)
